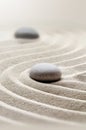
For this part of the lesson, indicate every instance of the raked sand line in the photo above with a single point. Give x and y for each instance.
(26, 100)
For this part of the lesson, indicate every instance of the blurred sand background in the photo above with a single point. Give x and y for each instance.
(43, 13)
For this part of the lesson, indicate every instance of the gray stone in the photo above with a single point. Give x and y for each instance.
(26, 33)
(45, 72)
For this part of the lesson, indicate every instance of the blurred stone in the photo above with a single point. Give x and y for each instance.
(26, 33)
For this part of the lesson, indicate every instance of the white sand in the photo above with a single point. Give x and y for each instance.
(23, 100)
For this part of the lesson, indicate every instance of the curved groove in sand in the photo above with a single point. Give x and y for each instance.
(23, 99)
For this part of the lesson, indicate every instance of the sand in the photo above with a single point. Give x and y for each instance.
(23, 100)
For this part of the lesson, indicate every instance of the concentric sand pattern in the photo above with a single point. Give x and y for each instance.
(23, 99)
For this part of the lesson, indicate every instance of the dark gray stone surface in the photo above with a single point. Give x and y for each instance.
(45, 72)
(26, 33)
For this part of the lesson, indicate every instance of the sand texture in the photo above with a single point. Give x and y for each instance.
(25, 100)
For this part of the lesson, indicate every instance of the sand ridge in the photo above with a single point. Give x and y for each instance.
(25, 100)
